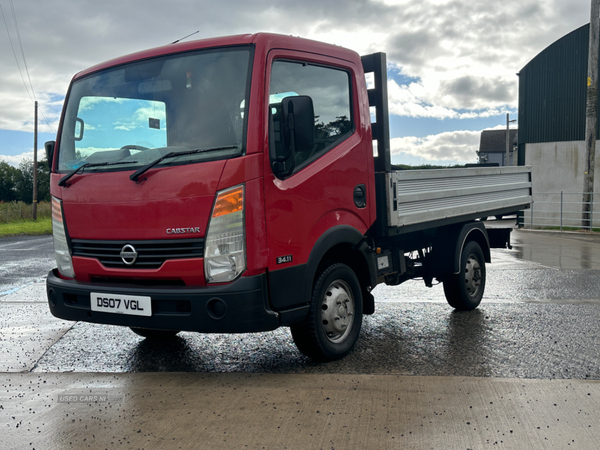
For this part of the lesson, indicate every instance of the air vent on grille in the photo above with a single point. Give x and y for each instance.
(151, 254)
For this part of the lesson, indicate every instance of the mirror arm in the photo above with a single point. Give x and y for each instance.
(291, 156)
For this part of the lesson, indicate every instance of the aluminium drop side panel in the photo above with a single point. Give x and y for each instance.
(416, 197)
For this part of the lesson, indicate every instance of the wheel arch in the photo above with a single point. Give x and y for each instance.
(472, 232)
(478, 234)
(344, 244)
(291, 288)
(450, 242)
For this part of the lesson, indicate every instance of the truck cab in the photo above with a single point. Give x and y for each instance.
(181, 187)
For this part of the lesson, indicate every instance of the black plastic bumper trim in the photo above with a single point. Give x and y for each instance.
(242, 305)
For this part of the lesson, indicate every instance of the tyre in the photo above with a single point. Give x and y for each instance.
(155, 334)
(333, 323)
(465, 290)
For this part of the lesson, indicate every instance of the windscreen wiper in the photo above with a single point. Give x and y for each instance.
(67, 177)
(138, 173)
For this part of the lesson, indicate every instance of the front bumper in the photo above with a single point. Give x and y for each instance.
(238, 307)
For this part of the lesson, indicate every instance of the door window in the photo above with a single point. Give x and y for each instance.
(329, 90)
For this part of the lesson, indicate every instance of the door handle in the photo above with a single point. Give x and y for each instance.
(360, 196)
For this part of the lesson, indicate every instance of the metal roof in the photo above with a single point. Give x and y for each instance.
(552, 91)
(494, 141)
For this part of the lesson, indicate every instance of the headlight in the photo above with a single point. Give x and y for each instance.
(61, 246)
(225, 247)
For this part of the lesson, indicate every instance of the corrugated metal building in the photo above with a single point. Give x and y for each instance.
(552, 91)
(552, 107)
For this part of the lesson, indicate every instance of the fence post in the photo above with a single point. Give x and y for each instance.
(531, 226)
(561, 210)
(591, 210)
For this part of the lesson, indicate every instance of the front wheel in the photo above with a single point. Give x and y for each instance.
(333, 323)
(464, 290)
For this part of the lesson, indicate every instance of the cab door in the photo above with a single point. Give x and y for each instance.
(325, 186)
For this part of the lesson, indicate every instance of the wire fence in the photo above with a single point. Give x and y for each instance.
(16, 211)
(562, 211)
(554, 210)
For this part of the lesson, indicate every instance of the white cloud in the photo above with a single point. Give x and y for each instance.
(126, 126)
(15, 160)
(412, 100)
(463, 55)
(467, 56)
(455, 146)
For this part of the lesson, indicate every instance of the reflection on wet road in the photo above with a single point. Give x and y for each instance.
(565, 251)
(498, 340)
(540, 318)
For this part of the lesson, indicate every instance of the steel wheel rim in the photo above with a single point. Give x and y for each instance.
(473, 277)
(337, 311)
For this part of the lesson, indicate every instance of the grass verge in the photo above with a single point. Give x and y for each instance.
(26, 227)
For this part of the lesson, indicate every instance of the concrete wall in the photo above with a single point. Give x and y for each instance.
(558, 167)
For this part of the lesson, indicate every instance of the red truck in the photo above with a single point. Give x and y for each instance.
(232, 185)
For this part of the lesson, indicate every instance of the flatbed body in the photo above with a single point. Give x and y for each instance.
(419, 199)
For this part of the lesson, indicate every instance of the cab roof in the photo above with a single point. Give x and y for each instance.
(263, 41)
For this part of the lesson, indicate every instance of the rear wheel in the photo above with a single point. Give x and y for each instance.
(155, 334)
(464, 290)
(333, 323)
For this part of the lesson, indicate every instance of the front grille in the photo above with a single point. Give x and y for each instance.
(141, 282)
(151, 254)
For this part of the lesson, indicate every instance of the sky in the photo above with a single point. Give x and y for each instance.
(452, 64)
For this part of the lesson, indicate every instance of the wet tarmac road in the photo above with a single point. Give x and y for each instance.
(540, 318)
(24, 260)
(546, 341)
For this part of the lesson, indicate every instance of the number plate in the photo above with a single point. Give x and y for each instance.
(121, 304)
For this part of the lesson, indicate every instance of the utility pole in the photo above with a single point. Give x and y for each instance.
(508, 143)
(35, 146)
(591, 117)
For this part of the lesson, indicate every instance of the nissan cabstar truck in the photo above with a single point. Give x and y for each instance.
(244, 183)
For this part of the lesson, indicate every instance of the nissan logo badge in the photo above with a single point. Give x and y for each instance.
(128, 254)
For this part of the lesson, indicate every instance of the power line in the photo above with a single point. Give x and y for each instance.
(47, 121)
(14, 14)
(14, 53)
(34, 98)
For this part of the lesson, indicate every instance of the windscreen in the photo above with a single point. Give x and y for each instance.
(131, 115)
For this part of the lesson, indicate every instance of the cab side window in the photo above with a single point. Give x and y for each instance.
(329, 90)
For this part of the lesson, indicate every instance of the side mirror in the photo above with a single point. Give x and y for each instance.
(49, 146)
(297, 132)
(298, 117)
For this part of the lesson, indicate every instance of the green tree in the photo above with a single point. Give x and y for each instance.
(332, 129)
(24, 181)
(8, 175)
(43, 181)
